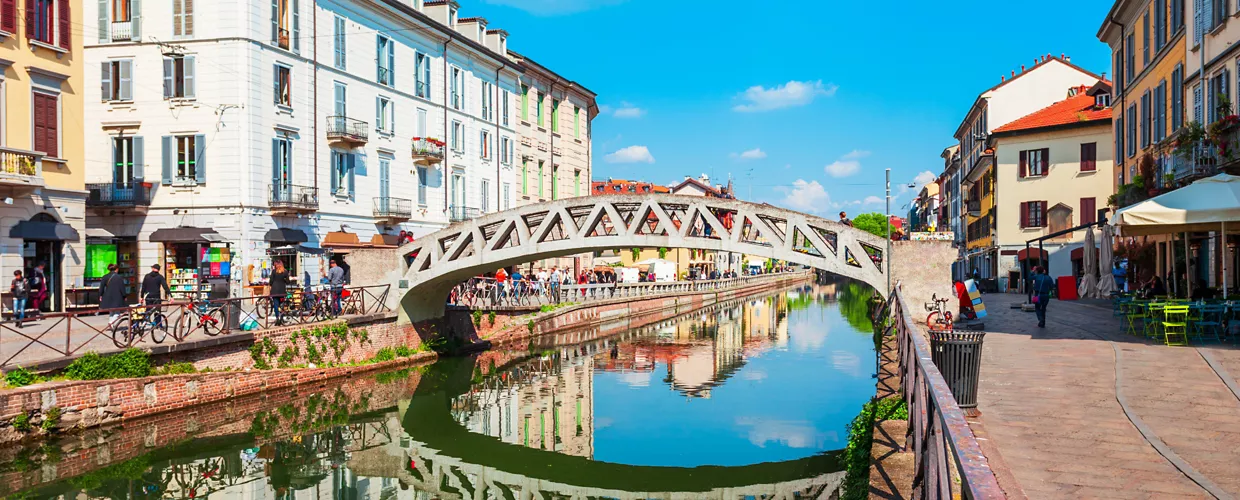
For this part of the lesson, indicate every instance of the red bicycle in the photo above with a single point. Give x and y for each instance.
(940, 319)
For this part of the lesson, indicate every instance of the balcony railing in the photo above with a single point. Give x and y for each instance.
(343, 128)
(1199, 161)
(293, 198)
(427, 151)
(118, 194)
(390, 208)
(282, 38)
(974, 207)
(460, 214)
(385, 76)
(20, 167)
(122, 31)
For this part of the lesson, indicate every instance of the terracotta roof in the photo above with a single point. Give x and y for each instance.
(621, 186)
(1079, 108)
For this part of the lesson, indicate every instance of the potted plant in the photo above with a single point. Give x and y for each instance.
(1168, 179)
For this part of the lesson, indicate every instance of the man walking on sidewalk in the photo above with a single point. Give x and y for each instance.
(1042, 286)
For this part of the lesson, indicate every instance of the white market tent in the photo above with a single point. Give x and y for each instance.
(1210, 204)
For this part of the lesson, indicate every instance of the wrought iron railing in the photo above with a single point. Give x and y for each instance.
(1199, 160)
(118, 194)
(343, 127)
(460, 214)
(295, 197)
(122, 31)
(387, 207)
(19, 164)
(385, 76)
(938, 434)
(425, 147)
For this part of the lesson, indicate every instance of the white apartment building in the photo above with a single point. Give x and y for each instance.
(252, 124)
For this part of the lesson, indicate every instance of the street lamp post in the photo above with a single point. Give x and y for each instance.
(888, 221)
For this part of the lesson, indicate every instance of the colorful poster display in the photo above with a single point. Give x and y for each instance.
(98, 257)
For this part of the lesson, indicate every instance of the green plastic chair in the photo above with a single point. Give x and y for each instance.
(1154, 322)
(1175, 324)
(1137, 315)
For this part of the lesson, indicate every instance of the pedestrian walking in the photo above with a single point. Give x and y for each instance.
(20, 291)
(153, 284)
(112, 293)
(279, 289)
(1042, 286)
(335, 280)
(38, 289)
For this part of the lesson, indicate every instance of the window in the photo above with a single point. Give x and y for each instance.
(1089, 210)
(1218, 87)
(182, 18)
(179, 76)
(284, 85)
(1033, 214)
(507, 196)
(458, 137)
(1035, 162)
(1197, 102)
(484, 146)
(487, 109)
(576, 122)
(118, 80)
(540, 178)
(124, 151)
(505, 150)
(422, 75)
(525, 176)
(47, 124)
(285, 24)
(1160, 24)
(525, 103)
(505, 96)
(1145, 40)
(1177, 15)
(1089, 157)
(555, 115)
(340, 99)
(385, 120)
(41, 21)
(1160, 111)
(1146, 119)
(120, 10)
(1119, 139)
(1130, 64)
(1177, 97)
(1131, 119)
(555, 182)
(538, 99)
(486, 195)
(386, 59)
(576, 183)
(1102, 100)
(341, 40)
(1119, 70)
(282, 162)
(458, 88)
(452, 17)
(422, 183)
(186, 161)
(344, 166)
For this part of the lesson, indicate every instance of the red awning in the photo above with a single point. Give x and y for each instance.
(1079, 253)
(1031, 253)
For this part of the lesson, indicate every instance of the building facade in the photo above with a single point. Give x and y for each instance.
(1053, 172)
(42, 168)
(247, 125)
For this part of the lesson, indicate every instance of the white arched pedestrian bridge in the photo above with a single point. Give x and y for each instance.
(440, 260)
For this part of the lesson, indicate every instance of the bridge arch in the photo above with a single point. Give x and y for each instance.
(444, 258)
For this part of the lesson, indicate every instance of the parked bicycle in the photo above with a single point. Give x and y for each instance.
(204, 316)
(129, 329)
(940, 319)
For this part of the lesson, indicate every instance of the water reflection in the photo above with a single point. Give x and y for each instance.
(622, 417)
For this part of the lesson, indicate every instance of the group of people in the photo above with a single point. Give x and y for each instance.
(30, 291)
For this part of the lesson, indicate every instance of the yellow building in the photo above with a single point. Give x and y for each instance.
(42, 219)
(1147, 40)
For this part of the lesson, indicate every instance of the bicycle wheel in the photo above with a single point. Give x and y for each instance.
(212, 322)
(158, 325)
(934, 320)
(121, 334)
(261, 306)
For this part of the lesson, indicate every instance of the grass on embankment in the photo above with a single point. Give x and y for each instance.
(861, 440)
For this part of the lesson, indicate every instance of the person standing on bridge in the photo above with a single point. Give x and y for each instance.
(556, 280)
(844, 219)
(1042, 286)
(335, 280)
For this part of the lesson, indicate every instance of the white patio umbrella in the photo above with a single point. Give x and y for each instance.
(1106, 261)
(1088, 288)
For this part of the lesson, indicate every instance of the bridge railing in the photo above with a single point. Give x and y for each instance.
(939, 436)
(484, 292)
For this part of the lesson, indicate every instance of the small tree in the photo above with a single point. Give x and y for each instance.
(662, 252)
(637, 254)
(874, 223)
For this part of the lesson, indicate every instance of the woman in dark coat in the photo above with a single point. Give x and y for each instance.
(112, 290)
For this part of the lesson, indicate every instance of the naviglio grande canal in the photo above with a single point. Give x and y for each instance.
(744, 399)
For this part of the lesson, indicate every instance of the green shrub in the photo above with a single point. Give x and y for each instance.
(51, 419)
(20, 377)
(260, 359)
(385, 354)
(22, 422)
(130, 363)
(530, 326)
(404, 351)
(491, 317)
(861, 439)
(175, 369)
(477, 316)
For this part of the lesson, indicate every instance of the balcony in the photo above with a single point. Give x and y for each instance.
(461, 214)
(385, 76)
(342, 129)
(1186, 166)
(427, 151)
(122, 31)
(393, 209)
(290, 199)
(20, 168)
(119, 195)
(974, 207)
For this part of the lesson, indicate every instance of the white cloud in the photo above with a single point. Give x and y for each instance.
(855, 154)
(753, 154)
(807, 196)
(793, 93)
(605, 109)
(627, 110)
(843, 168)
(631, 154)
(555, 7)
(872, 200)
(924, 178)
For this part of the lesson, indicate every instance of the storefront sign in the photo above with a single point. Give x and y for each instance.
(939, 236)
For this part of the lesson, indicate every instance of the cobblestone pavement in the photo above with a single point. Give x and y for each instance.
(1052, 407)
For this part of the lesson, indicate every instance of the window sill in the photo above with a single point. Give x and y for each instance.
(284, 108)
(578, 141)
(555, 134)
(186, 101)
(526, 123)
(48, 46)
(540, 129)
(59, 161)
(342, 196)
(1087, 172)
(184, 185)
(120, 103)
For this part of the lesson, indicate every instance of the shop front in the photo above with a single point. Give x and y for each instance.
(43, 239)
(197, 262)
(103, 249)
(288, 247)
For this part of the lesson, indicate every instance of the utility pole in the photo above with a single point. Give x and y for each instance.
(888, 224)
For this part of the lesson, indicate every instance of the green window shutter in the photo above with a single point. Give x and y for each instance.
(525, 102)
(555, 115)
(525, 177)
(576, 122)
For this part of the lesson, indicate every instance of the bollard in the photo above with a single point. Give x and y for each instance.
(958, 356)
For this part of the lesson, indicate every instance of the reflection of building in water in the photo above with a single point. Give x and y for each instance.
(546, 404)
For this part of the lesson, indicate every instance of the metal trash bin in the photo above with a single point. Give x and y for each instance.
(958, 356)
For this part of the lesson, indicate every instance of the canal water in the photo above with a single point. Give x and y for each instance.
(744, 399)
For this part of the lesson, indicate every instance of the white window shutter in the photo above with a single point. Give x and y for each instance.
(168, 87)
(135, 19)
(106, 87)
(126, 80)
(296, 26)
(190, 76)
(105, 27)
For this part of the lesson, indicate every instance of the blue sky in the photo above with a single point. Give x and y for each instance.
(804, 103)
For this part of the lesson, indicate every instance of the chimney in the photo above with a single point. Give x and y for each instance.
(1022, 68)
(1013, 73)
(1061, 56)
(1002, 78)
(1104, 75)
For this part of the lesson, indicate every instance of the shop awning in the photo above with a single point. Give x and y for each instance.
(385, 240)
(185, 235)
(44, 230)
(341, 238)
(95, 233)
(282, 235)
(1031, 253)
(295, 249)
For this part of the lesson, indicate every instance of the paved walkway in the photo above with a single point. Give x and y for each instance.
(1081, 410)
